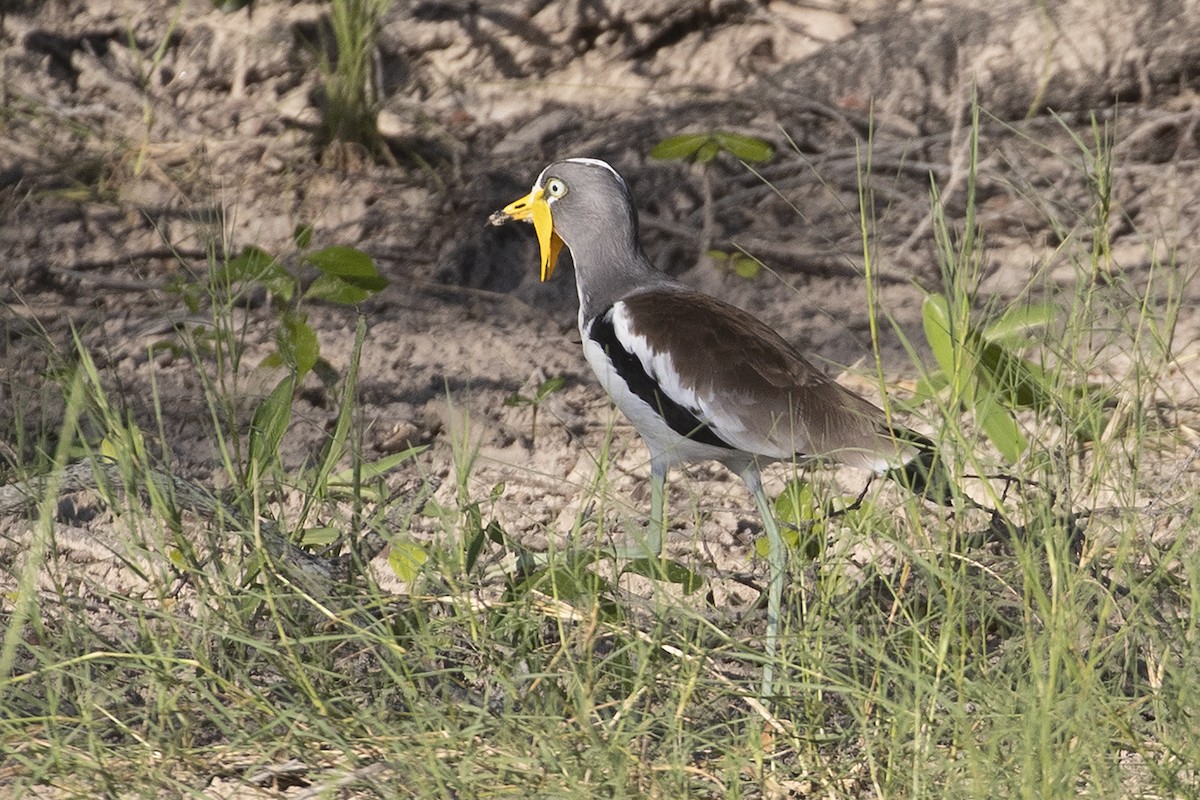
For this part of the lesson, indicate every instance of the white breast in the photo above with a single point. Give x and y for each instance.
(663, 442)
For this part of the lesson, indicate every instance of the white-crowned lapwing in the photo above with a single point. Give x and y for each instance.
(699, 379)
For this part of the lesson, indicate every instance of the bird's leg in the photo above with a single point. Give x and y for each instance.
(658, 517)
(776, 558)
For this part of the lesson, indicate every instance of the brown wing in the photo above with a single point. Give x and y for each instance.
(754, 389)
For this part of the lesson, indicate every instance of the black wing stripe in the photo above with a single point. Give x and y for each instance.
(630, 369)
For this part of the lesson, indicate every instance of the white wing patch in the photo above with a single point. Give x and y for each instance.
(742, 419)
(719, 413)
(664, 443)
(729, 415)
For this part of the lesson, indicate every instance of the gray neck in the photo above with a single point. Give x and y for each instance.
(607, 269)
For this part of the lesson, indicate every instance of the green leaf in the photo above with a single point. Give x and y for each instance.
(927, 389)
(326, 372)
(679, 147)
(319, 537)
(1001, 427)
(746, 266)
(370, 470)
(1017, 322)
(254, 264)
(708, 151)
(666, 569)
(302, 235)
(272, 360)
(297, 343)
(1019, 382)
(474, 548)
(270, 423)
(791, 540)
(569, 583)
(335, 290)
(798, 504)
(406, 560)
(350, 264)
(348, 276)
(548, 387)
(955, 365)
(748, 148)
(493, 532)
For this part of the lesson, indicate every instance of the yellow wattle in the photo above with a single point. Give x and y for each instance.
(548, 242)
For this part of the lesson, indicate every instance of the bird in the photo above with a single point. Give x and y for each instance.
(699, 378)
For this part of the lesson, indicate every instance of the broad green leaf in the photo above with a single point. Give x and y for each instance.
(335, 290)
(492, 532)
(747, 148)
(549, 387)
(474, 548)
(253, 264)
(370, 470)
(496, 533)
(517, 399)
(746, 266)
(1001, 427)
(326, 372)
(1019, 381)
(708, 151)
(406, 560)
(791, 540)
(474, 518)
(319, 537)
(273, 360)
(270, 423)
(350, 264)
(679, 147)
(302, 235)
(797, 503)
(297, 343)
(569, 584)
(1017, 322)
(935, 317)
(666, 569)
(926, 389)
(280, 284)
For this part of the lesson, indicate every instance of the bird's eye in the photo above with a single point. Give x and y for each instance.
(555, 187)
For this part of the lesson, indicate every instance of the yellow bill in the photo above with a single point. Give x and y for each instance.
(533, 206)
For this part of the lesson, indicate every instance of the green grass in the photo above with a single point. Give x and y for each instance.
(348, 65)
(1048, 651)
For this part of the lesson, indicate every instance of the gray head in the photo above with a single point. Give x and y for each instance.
(590, 205)
(584, 204)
